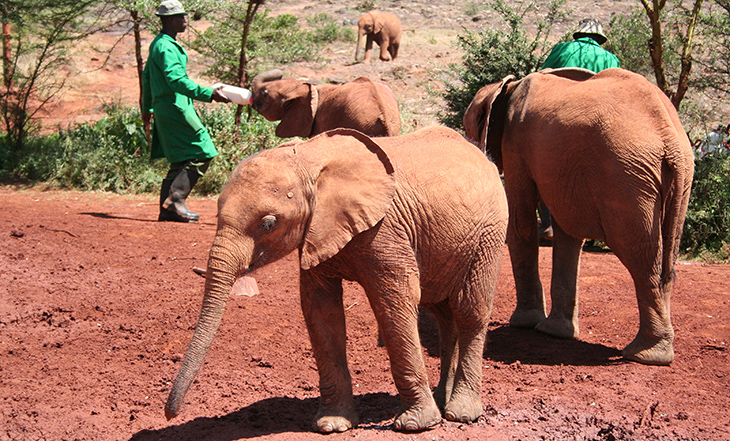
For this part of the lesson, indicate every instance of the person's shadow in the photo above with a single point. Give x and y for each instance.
(153, 220)
(273, 416)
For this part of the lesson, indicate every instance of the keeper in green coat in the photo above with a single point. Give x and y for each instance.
(586, 52)
(177, 133)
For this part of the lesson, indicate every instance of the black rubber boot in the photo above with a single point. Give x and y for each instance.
(172, 204)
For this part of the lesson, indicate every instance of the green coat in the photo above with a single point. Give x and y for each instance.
(177, 134)
(584, 52)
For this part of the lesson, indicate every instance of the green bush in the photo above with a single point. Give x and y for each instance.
(492, 54)
(36, 161)
(629, 34)
(256, 134)
(108, 155)
(707, 226)
(272, 41)
(112, 153)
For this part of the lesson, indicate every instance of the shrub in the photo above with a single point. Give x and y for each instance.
(272, 41)
(492, 54)
(108, 155)
(256, 134)
(707, 226)
(112, 154)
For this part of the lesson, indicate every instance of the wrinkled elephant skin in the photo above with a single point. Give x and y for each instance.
(608, 156)
(417, 220)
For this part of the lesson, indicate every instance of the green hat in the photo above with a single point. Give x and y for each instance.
(590, 28)
(170, 7)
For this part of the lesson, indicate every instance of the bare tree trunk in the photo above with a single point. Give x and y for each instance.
(684, 74)
(136, 19)
(253, 6)
(7, 59)
(656, 50)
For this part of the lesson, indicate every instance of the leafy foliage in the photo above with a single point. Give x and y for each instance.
(264, 44)
(707, 226)
(111, 154)
(715, 50)
(492, 54)
(42, 32)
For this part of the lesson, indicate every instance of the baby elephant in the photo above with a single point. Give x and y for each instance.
(418, 219)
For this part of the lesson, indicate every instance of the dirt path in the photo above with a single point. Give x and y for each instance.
(98, 303)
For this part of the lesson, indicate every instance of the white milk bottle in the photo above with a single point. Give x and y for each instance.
(237, 95)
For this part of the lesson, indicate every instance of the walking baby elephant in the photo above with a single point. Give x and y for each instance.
(379, 27)
(418, 219)
(608, 156)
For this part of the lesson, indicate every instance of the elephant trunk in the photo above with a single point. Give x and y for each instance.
(360, 33)
(263, 77)
(221, 274)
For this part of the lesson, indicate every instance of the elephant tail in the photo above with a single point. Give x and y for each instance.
(678, 168)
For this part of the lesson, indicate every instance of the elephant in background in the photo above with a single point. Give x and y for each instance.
(418, 219)
(380, 27)
(306, 110)
(608, 155)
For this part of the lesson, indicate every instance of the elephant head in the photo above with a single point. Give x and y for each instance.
(313, 196)
(287, 100)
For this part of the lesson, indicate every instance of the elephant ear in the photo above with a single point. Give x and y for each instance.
(354, 185)
(378, 23)
(484, 118)
(298, 115)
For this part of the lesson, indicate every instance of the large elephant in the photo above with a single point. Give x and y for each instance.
(380, 27)
(306, 110)
(608, 156)
(418, 219)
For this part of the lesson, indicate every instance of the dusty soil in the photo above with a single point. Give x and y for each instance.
(98, 302)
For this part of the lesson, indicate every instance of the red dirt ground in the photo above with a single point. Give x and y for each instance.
(98, 302)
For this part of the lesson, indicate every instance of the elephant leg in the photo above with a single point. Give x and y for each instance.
(449, 353)
(472, 310)
(395, 303)
(368, 50)
(563, 319)
(524, 251)
(654, 342)
(324, 315)
(393, 50)
(384, 50)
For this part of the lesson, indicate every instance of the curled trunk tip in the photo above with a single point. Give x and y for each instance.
(269, 75)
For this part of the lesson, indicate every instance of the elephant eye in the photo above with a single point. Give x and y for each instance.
(268, 222)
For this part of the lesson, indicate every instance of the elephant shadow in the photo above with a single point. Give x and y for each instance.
(507, 345)
(272, 416)
(528, 346)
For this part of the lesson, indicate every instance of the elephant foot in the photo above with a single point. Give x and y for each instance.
(463, 408)
(659, 352)
(526, 318)
(558, 327)
(334, 423)
(333, 418)
(417, 418)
